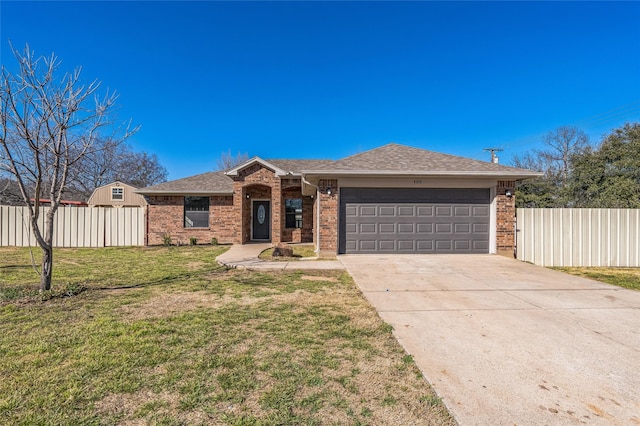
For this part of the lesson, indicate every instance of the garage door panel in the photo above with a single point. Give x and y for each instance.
(445, 211)
(480, 211)
(386, 245)
(367, 211)
(443, 245)
(387, 228)
(367, 228)
(408, 245)
(480, 245)
(425, 228)
(408, 221)
(387, 211)
(480, 228)
(443, 228)
(462, 211)
(406, 228)
(367, 245)
(424, 245)
(462, 245)
(462, 228)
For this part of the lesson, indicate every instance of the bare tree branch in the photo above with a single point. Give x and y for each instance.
(49, 125)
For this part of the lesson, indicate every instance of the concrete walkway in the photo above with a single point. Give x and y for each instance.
(504, 342)
(245, 256)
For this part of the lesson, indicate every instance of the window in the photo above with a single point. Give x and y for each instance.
(117, 193)
(196, 212)
(293, 213)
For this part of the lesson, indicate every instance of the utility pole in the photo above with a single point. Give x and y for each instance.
(494, 159)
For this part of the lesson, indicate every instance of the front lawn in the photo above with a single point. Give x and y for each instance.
(166, 336)
(623, 277)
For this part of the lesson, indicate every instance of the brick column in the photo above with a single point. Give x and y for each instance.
(276, 211)
(505, 219)
(328, 217)
(239, 205)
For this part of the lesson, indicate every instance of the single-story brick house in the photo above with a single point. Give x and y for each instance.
(390, 199)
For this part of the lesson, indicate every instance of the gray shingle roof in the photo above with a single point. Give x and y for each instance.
(391, 159)
(297, 166)
(212, 183)
(401, 159)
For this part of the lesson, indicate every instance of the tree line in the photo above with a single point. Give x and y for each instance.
(578, 173)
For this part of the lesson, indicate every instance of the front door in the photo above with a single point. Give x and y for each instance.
(261, 221)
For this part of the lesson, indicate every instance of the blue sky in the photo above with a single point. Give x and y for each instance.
(330, 79)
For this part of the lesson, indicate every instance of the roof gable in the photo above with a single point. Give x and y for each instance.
(116, 183)
(255, 160)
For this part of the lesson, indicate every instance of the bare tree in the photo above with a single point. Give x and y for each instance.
(9, 192)
(555, 160)
(116, 162)
(228, 161)
(48, 124)
(561, 144)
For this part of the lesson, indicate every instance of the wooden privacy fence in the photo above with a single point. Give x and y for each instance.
(579, 237)
(76, 226)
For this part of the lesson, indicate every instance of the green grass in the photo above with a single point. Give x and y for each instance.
(166, 336)
(622, 277)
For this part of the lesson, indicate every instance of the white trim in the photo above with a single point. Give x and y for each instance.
(493, 220)
(121, 188)
(317, 200)
(256, 160)
(270, 218)
(404, 183)
(176, 193)
(430, 173)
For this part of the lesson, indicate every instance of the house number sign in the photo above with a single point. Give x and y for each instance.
(261, 214)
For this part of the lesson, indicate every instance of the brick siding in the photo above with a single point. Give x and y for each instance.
(297, 235)
(505, 219)
(166, 217)
(328, 216)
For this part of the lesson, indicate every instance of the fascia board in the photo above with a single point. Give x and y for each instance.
(183, 193)
(367, 173)
(234, 172)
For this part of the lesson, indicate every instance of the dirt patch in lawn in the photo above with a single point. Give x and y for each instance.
(167, 304)
(318, 278)
(147, 407)
(192, 266)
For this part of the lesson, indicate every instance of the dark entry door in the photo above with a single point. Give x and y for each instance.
(261, 222)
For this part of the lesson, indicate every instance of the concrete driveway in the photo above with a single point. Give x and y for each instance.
(504, 342)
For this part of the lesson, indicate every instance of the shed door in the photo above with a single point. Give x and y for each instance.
(412, 220)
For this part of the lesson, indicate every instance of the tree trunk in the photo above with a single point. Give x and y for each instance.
(47, 250)
(47, 268)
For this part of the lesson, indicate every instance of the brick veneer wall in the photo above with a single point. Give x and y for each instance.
(328, 216)
(256, 181)
(304, 234)
(505, 219)
(166, 217)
